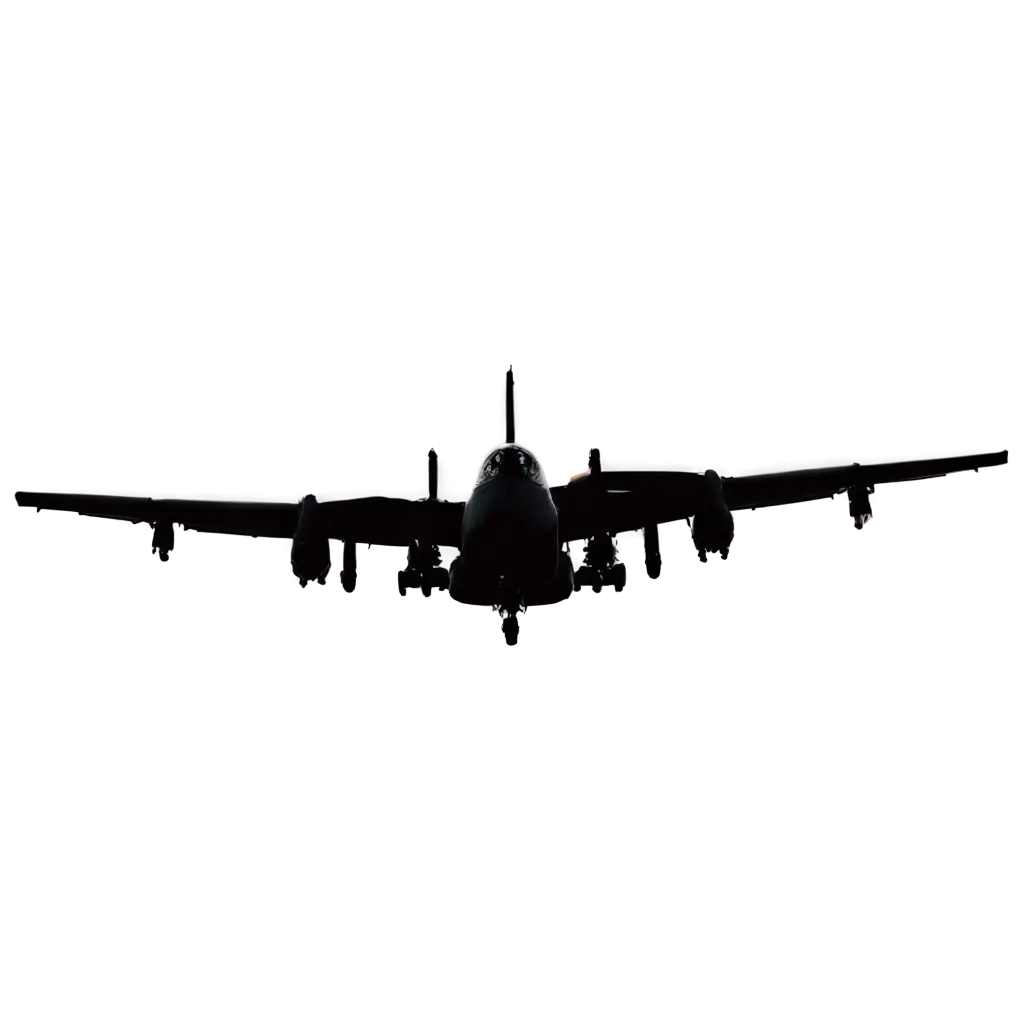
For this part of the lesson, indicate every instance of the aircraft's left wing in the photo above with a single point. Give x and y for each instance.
(395, 521)
(615, 502)
(253, 518)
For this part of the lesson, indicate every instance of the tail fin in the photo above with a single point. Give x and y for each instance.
(510, 409)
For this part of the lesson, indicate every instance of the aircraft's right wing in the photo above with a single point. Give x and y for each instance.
(808, 484)
(619, 501)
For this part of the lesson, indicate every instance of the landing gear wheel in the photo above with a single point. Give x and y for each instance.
(702, 555)
(597, 588)
(322, 580)
(726, 556)
(616, 576)
(857, 525)
(302, 583)
(510, 627)
(426, 589)
(401, 583)
(440, 578)
(164, 556)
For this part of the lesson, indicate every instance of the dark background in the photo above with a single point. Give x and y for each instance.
(262, 254)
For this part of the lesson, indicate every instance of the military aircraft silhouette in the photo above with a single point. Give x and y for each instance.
(513, 532)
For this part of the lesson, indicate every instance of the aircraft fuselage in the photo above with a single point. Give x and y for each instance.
(509, 532)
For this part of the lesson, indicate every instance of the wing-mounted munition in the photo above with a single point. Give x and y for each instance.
(163, 538)
(860, 507)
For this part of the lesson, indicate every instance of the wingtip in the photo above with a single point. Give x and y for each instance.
(993, 458)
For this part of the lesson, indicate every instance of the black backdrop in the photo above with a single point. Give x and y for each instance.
(261, 251)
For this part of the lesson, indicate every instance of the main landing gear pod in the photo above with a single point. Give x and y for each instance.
(424, 571)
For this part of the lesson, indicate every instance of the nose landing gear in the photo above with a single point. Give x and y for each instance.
(510, 604)
(510, 627)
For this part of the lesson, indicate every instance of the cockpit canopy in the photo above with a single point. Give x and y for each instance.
(511, 460)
